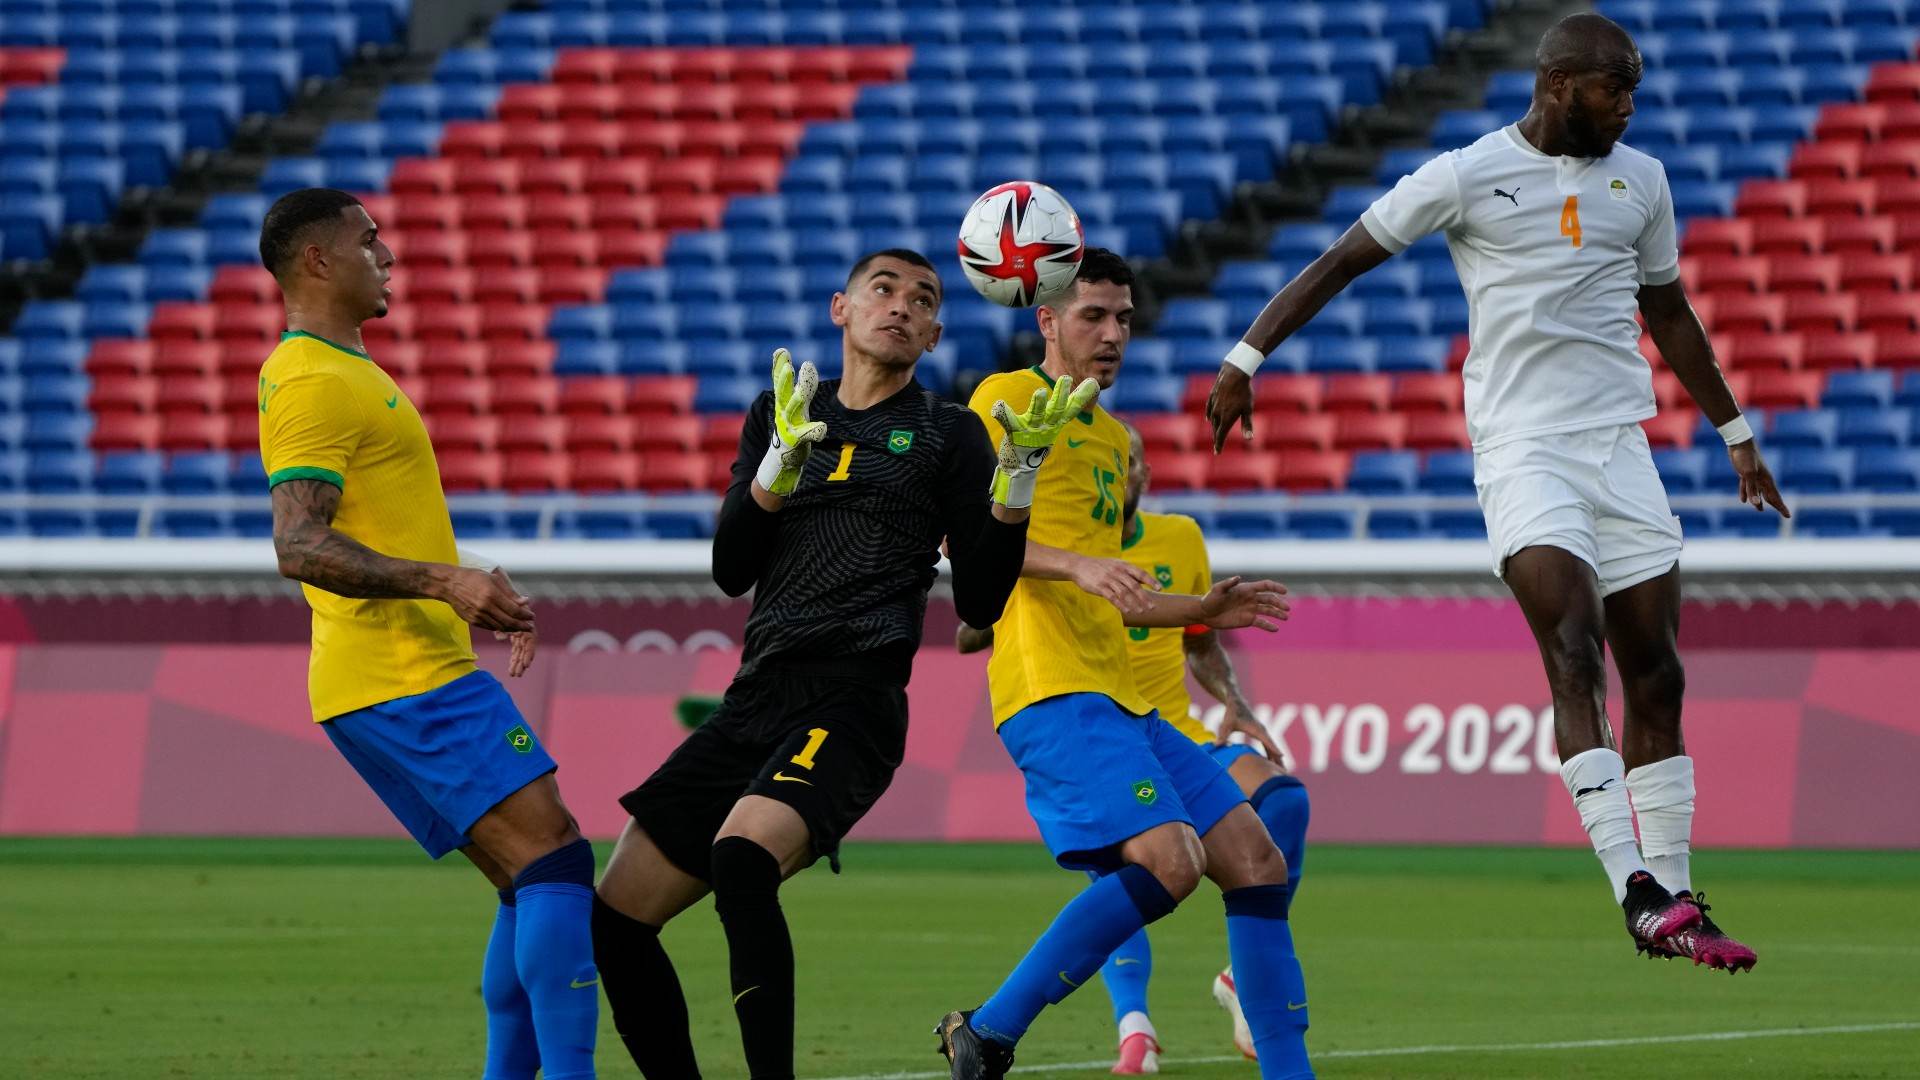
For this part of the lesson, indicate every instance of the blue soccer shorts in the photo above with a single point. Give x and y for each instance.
(1230, 753)
(442, 759)
(1097, 776)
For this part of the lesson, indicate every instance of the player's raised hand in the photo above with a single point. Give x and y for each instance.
(522, 644)
(1231, 399)
(1233, 603)
(1030, 436)
(793, 434)
(486, 600)
(1116, 581)
(1756, 481)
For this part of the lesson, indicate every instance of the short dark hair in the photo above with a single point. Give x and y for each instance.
(1097, 264)
(905, 255)
(283, 231)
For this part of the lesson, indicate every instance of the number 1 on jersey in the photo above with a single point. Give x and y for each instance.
(1570, 219)
(815, 737)
(843, 470)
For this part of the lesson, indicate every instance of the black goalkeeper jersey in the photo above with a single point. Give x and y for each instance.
(840, 574)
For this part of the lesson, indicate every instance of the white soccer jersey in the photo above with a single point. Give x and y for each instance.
(1552, 252)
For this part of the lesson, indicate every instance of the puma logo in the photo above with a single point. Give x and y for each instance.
(1513, 198)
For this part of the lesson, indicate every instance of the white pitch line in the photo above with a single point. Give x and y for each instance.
(1453, 1048)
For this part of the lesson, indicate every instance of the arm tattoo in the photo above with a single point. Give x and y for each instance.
(311, 550)
(1213, 670)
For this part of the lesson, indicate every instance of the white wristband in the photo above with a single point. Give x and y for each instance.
(1736, 430)
(1246, 358)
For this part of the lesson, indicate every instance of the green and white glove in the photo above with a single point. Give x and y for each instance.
(793, 434)
(1029, 437)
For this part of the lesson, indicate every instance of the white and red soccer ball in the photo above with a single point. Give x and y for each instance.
(1021, 242)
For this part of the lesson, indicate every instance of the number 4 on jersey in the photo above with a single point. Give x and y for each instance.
(1570, 220)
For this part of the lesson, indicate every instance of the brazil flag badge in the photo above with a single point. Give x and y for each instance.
(899, 441)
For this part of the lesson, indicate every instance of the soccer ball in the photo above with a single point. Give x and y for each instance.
(1019, 242)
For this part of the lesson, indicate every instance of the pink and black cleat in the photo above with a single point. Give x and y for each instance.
(1653, 914)
(1705, 943)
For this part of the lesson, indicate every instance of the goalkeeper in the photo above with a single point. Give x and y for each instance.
(842, 495)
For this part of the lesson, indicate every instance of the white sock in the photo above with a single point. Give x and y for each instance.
(1597, 781)
(1137, 1021)
(1663, 802)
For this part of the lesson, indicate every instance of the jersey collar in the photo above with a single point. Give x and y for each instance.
(291, 334)
(1139, 530)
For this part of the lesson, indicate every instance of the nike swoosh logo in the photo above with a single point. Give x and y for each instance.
(743, 993)
(578, 985)
(792, 779)
(1075, 444)
(1291, 1007)
(393, 401)
(1589, 790)
(1069, 982)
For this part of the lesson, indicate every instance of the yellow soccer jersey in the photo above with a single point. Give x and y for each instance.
(330, 413)
(1054, 639)
(1169, 547)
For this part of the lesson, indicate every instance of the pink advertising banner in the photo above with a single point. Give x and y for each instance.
(1411, 722)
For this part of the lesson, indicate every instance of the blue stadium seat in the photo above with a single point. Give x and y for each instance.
(1682, 471)
(1858, 389)
(1888, 469)
(1815, 471)
(207, 473)
(129, 473)
(1448, 472)
(1865, 427)
(1386, 521)
(67, 471)
(1896, 521)
(1384, 473)
(1141, 392)
(1831, 521)
(1309, 522)
(1249, 523)
(1815, 428)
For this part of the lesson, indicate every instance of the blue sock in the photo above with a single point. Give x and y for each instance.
(1082, 936)
(512, 1053)
(1126, 973)
(1273, 992)
(553, 952)
(1282, 803)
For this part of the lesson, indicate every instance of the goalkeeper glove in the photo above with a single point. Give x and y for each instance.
(793, 434)
(1029, 437)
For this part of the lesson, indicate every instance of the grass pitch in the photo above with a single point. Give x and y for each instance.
(359, 959)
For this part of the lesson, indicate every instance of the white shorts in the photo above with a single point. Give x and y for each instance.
(1594, 493)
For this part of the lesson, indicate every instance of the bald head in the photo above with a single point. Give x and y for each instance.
(1584, 43)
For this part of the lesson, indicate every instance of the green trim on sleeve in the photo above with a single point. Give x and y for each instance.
(305, 472)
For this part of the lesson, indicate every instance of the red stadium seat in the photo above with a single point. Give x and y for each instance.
(1717, 236)
(1896, 349)
(766, 101)
(1771, 198)
(197, 358)
(1183, 471)
(655, 394)
(1902, 122)
(559, 212)
(1457, 352)
(1900, 159)
(770, 65)
(640, 248)
(1363, 393)
(624, 212)
(1785, 389)
(720, 433)
(530, 141)
(822, 65)
(243, 284)
(1828, 352)
(436, 324)
(434, 285)
(535, 471)
(590, 140)
(1436, 431)
(181, 320)
(531, 359)
(703, 104)
(1762, 350)
(1862, 236)
(824, 101)
(584, 67)
(1893, 82)
(1748, 311)
(501, 323)
(528, 431)
(480, 177)
(237, 359)
(747, 176)
(202, 395)
(1669, 430)
(1847, 122)
(462, 432)
(531, 102)
(120, 356)
(880, 63)
(1276, 393)
(550, 178)
(457, 394)
(506, 286)
(1788, 236)
(673, 470)
(467, 140)
(1313, 471)
(400, 359)
(590, 104)
(702, 65)
(1172, 432)
(396, 326)
(604, 395)
(525, 394)
(425, 247)
(121, 392)
(469, 470)
(184, 431)
(644, 103)
(567, 285)
(1313, 431)
(1371, 431)
(1815, 273)
(240, 397)
(1897, 196)
(126, 431)
(1428, 392)
(1648, 349)
(684, 176)
(1716, 274)
(1880, 311)
(771, 138)
(35, 67)
(586, 433)
(621, 177)
(488, 250)
(1243, 470)
(480, 213)
(560, 248)
(718, 469)
(691, 211)
(421, 176)
(1821, 160)
(642, 67)
(421, 211)
(1876, 273)
(1667, 391)
(1820, 311)
(451, 360)
(600, 471)
(260, 323)
(1841, 198)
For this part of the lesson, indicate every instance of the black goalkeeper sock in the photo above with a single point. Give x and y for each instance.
(746, 894)
(649, 1011)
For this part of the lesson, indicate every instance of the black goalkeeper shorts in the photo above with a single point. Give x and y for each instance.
(825, 745)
